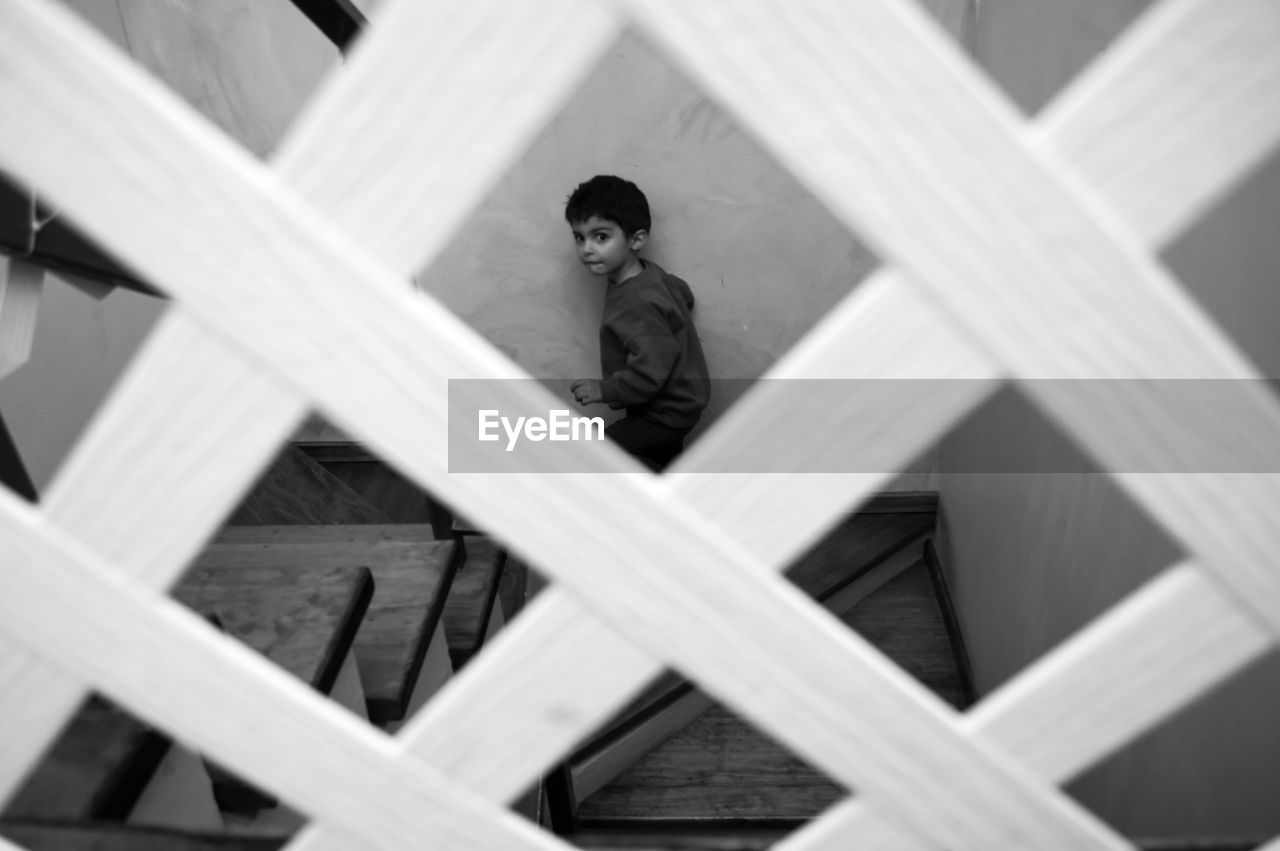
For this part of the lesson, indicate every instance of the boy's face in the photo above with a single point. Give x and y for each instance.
(604, 249)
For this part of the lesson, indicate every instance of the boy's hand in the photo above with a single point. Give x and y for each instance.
(586, 391)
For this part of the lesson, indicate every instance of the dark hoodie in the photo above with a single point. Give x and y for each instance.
(650, 358)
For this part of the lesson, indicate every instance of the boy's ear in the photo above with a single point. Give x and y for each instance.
(637, 239)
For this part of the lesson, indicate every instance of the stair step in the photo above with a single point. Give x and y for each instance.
(396, 496)
(375, 481)
(720, 768)
(473, 611)
(301, 614)
(904, 620)
(297, 490)
(851, 550)
(412, 575)
(96, 769)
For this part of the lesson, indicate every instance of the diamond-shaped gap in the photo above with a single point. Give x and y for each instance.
(674, 759)
(691, 764)
(485, 586)
(108, 773)
(247, 66)
(764, 259)
(86, 336)
(1227, 261)
(1033, 50)
(331, 567)
(107, 769)
(297, 594)
(1033, 538)
(1207, 774)
(1036, 543)
(441, 587)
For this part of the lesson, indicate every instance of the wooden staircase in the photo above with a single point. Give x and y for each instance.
(676, 760)
(339, 570)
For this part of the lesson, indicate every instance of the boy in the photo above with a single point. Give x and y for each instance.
(650, 358)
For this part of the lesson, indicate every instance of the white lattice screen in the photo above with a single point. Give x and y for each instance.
(289, 282)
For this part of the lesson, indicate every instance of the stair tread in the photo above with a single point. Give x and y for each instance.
(296, 489)
(96, 768)
(412, 576)
(854, 547)
(845, 553)
(719, 767)
(471, 599)
(376, 482)
(905, 622)
(303, 617)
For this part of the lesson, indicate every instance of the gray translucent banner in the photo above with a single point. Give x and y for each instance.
(1166, 426)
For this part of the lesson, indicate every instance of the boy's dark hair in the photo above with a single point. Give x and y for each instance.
(610, 198)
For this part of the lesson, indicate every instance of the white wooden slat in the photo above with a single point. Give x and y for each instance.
(1137, 664)
(1180, 54)
(494, 746)
(21, 283)
(851, 822)
(1273, 845)
(963, 174)
(930, 376)
(1151, 654)
(62, 600)
(20, 748)
(162, 506)
(379, 410)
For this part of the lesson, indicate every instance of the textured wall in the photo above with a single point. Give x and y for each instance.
(764, 259)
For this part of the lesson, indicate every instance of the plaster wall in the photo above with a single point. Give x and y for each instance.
(764, 259)
(1035, 555)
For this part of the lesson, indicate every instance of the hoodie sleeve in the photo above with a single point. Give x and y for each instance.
(645, 333)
